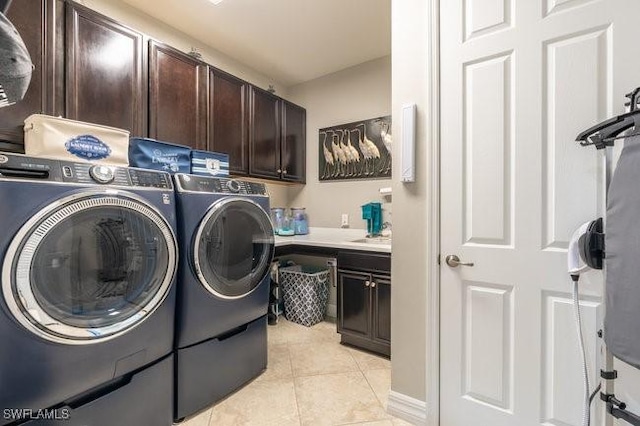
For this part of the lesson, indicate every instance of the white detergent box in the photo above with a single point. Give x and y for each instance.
(63, 139)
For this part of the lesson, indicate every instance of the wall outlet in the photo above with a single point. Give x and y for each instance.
(344, 223)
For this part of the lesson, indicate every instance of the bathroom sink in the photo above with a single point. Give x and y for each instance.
(373, 240)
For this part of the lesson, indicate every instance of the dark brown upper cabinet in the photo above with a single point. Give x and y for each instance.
(38, 24)
(106, 79)
(264, 138)
(177, 97)
(228, 119)
(277, 139)
(293, 147)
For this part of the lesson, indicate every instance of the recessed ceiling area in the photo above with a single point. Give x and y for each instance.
(290, 41)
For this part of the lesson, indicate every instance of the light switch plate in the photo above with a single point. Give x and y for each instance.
(345, 220)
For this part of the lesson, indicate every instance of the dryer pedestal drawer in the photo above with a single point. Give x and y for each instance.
(141, 398)
(211, 370)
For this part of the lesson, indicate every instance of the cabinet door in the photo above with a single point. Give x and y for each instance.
(354, 304)
(381, 304)
(177, 97)
(39, 23)
(228, 120)
(293, 142)
(264, 141)
(106, 79)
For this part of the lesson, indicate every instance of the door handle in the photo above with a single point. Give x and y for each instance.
(367, 283)
(373, 284)
(454, 261)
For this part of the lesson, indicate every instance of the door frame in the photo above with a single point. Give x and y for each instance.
(432, 304)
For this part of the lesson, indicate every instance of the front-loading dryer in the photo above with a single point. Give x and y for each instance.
(227, 243)
(89, 258)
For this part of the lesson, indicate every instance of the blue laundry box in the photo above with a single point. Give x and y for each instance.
(157, 155)
(209, 163)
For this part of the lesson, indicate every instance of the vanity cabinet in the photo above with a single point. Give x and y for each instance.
(364, 300)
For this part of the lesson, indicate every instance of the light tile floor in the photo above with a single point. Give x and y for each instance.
(310, 380)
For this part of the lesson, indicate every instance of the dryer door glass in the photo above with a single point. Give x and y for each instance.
(93, 267)
(233, 247)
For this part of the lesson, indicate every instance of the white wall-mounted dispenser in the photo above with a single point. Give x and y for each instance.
(408, 160)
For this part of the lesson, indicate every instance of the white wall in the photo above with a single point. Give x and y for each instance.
(354, 94)
(410, 209)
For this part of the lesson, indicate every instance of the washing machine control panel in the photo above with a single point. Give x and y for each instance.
(113, 175)
(217, 185)
(19, 166)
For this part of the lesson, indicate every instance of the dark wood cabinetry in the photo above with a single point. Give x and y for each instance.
(364, 301)
(106, 79)
(277, 142)
(354, 303)
(264, 139)
(91, 68)
(293, 143)
(41, 31)
(177, 97)
(381, 303)
(228, 119)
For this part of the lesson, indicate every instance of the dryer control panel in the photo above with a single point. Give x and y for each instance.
(217, 185)
(17, 166)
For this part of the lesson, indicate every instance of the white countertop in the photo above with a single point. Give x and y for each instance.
(334, 238)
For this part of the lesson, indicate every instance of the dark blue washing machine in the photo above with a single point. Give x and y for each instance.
(89, 258)
(227, 243)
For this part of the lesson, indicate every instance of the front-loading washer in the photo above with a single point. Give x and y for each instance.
(89, 259)
(227, 242)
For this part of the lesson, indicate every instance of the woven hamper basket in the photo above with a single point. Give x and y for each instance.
(305, 293)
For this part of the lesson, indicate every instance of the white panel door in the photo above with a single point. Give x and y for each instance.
(519, 80)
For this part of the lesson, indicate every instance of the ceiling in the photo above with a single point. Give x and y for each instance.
(290, 41)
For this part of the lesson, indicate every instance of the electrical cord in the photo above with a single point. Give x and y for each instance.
(586, 412)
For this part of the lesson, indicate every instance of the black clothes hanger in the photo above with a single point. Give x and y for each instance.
(4, 6)
(605, 133)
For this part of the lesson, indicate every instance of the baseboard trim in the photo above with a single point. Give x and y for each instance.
(407, 408)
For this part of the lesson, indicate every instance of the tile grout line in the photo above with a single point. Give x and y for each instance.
(295, 392)
(374, 393)
(210, 415)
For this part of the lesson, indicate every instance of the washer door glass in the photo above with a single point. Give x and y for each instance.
(234, 247)
(92, 267)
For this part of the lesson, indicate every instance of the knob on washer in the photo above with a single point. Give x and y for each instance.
(102, 174)
(233, 185)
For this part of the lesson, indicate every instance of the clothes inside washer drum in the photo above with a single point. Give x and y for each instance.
(622, 262)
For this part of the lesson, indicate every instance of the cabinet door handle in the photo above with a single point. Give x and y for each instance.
(279, 170)
(367, 283)
(373, 284)
(284, 172)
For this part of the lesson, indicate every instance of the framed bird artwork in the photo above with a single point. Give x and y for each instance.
(358, 150)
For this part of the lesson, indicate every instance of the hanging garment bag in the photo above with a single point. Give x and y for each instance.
(622, 248)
